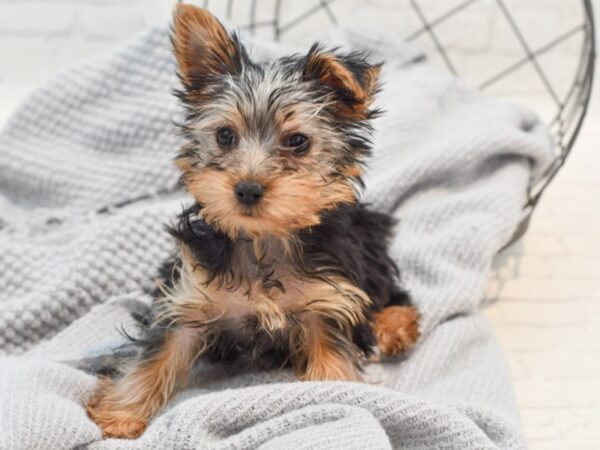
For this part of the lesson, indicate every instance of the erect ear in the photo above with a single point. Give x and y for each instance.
(352, 78)
(202, 46)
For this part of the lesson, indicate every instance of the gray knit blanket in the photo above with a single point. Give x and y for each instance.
(87, 183)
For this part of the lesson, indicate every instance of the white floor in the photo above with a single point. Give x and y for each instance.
(547, 308)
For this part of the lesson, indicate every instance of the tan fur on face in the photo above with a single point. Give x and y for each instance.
(291, 201)
(202, 46)
(122, 407)
(298, 189)
(353, 171)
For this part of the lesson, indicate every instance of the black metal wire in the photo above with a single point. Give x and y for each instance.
(308, 13)
(277, 18)
(441, 19)
(540, 51)
(253, 17)
(329, 12)
(529, 53)
(584, 80)
(429, 29)
(571, 109)
(229, 8)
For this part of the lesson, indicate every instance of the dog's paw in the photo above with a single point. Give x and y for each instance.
(114, 420)
(331, 372)
(114, 426)
(396, 329)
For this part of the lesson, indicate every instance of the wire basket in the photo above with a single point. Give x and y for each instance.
(496, 45)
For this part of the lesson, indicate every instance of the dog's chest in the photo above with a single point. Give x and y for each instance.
(268, 290)
(267, 301)
(262, 284)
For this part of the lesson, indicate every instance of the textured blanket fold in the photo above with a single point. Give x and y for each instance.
(87, 183)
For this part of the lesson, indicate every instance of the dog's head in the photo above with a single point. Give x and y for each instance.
(270, 146)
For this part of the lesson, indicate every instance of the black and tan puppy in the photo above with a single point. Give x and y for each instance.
(278, 263)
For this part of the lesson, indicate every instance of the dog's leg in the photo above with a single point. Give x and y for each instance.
(123, 406)
(322, 347)
(324, 352)
(396, 329)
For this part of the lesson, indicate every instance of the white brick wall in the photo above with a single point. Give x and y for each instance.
(39, 37)
(39, 19)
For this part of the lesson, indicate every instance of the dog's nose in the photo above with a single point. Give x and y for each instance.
(249, 192)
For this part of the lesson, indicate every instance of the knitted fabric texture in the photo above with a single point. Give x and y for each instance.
(87, 184)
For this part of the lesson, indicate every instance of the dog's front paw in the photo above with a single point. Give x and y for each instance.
(330, 367)
(113, 419)
(114, 426)
(396, 329)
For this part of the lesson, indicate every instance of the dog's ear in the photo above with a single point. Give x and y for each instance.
(353, 79)
(203, 48)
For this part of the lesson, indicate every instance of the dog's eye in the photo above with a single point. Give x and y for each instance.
(298, 143)
(226, 138)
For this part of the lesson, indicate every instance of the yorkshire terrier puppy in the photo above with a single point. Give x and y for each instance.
(278, 262)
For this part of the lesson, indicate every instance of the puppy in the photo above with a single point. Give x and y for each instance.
(278, 263)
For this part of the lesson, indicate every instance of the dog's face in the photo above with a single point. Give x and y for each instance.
(271, 146)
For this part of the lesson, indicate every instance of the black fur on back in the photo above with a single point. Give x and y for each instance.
(353, 240)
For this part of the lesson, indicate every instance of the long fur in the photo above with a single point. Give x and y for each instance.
(299, 277)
